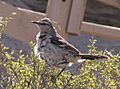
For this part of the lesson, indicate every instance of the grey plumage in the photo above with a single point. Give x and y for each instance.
(55, 50)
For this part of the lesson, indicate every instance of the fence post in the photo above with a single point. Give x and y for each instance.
(59, 10)
(76, 16)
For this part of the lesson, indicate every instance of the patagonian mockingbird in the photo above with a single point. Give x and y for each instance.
(55, 50)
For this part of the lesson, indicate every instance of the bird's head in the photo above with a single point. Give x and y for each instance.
(44, 24)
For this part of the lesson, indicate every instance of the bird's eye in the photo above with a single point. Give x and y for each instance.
(43, 23)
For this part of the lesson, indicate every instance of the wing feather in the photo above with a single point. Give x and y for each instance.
(62, 43)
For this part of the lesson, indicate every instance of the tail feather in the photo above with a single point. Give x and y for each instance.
(92, 57)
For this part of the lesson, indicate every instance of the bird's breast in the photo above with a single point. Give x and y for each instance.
(49, 52)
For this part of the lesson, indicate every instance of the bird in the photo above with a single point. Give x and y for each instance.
(55, 50)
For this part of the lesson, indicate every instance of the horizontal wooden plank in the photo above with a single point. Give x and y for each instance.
(115, 3)
(101, 31)
(20, 27)
(76, 16)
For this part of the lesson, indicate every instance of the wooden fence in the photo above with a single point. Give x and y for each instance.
(70, 14)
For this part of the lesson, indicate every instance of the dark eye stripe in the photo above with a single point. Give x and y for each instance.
(44, 23)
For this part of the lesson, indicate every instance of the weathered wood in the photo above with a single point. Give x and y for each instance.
(20, 27)
(100, 30)
(115, 3)
(76, 16)
(59, 10)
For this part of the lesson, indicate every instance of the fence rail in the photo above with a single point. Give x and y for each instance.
(71, 14)
(68, 13)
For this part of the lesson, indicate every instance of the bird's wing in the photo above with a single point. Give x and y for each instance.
(62, 43)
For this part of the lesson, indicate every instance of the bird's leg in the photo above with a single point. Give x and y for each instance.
(63, 63)
(61, 72)
(55, 78)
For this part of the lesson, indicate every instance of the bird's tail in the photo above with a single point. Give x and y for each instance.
(92, 57)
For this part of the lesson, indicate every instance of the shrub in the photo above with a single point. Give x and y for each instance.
(29, 72)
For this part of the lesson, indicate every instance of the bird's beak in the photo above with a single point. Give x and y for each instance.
(35, 22)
